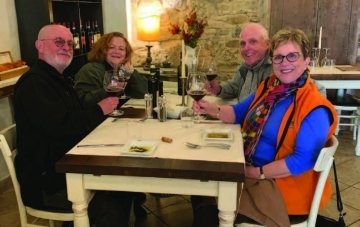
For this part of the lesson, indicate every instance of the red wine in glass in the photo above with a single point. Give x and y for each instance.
(211, 72)
(197, 95)
(211, 75)
(114, 92)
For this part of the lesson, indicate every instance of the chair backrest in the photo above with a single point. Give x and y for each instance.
(8, 150)
(323, 165)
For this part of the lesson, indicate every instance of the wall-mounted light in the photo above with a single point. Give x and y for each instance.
(148, 24)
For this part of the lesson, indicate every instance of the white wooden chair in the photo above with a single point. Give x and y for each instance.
(323, 165)
(8, 149)
(347, 107)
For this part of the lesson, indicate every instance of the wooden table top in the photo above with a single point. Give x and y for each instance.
(343, 72)
(151, 167)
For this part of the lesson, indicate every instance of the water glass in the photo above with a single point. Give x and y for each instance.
(187, 118)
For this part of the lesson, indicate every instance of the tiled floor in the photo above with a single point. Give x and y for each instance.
(176, 211)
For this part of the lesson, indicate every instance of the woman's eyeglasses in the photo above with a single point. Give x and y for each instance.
(60, 42)
(291, 57)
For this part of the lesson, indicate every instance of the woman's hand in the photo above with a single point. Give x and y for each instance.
(205, 107)
(224, 113)
(128, 67)
(252, 172)
(108, 104)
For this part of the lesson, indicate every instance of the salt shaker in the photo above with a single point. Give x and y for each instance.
(148, 105)
(162, 108)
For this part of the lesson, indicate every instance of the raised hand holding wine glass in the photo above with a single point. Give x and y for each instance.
(114, 83)
(195, 87)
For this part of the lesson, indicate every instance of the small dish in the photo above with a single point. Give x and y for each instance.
(218, 134)
(139, 148)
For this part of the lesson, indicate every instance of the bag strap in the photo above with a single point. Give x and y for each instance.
(338, 196)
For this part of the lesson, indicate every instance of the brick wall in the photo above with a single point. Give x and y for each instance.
(220, 39)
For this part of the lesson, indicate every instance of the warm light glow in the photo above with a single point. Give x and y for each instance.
(148, 20)
(148, 28)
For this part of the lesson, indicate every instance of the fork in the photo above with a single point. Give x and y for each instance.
(217, 145)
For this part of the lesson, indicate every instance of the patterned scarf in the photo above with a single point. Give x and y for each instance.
(258, 116)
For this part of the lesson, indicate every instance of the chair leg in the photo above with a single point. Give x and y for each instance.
(357, 148)
(355, 122)
(338, 126)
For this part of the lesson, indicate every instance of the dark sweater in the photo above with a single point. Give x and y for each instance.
(50, 120)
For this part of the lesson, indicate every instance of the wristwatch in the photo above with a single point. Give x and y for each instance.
(262, 175)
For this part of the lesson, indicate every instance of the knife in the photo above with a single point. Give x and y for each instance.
(101, 145)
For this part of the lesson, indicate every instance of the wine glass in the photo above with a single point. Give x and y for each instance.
(195, 87)
(325, 62)
(114, 84)
(315, 57)
(211, 72)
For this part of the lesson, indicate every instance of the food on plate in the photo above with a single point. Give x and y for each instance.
(139, 149)
(222, 135)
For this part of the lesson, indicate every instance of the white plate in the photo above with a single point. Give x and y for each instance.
(218, 134)
(139, 148)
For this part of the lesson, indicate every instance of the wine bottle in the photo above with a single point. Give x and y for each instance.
(160, 83)
(179, 75)
(89, 36)
(76, 39)
(153, 87)
(96, 34)
(83, 38)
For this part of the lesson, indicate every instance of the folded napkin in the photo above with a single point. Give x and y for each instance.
(173, 111)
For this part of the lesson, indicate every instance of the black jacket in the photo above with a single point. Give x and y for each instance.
(50, 120)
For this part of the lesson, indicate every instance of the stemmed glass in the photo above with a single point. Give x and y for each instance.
(114, 83)
(315, 57)
(325, 62)
(211, 72)
(195, 87)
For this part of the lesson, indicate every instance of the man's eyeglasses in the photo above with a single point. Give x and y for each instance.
(291, 57)
(60, 42)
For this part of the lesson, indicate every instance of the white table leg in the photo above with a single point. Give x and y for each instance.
(227, 201)
(79, 197)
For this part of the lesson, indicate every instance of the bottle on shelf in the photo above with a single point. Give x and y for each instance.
(179, 75)
(89, 36)
(97, 33)
(83, 38)
(76, 39)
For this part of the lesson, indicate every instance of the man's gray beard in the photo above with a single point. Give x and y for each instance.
(61, 64)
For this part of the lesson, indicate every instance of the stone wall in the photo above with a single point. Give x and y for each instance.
(220, 40)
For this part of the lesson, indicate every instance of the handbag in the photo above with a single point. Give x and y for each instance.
(323, 221)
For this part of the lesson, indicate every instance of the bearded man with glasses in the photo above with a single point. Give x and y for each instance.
(50, 120)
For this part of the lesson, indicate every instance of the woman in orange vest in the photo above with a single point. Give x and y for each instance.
(285, 124)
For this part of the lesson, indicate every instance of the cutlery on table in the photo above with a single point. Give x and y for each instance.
(101, 145)
(216, 145)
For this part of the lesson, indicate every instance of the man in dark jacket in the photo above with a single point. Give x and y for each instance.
(50, 120)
